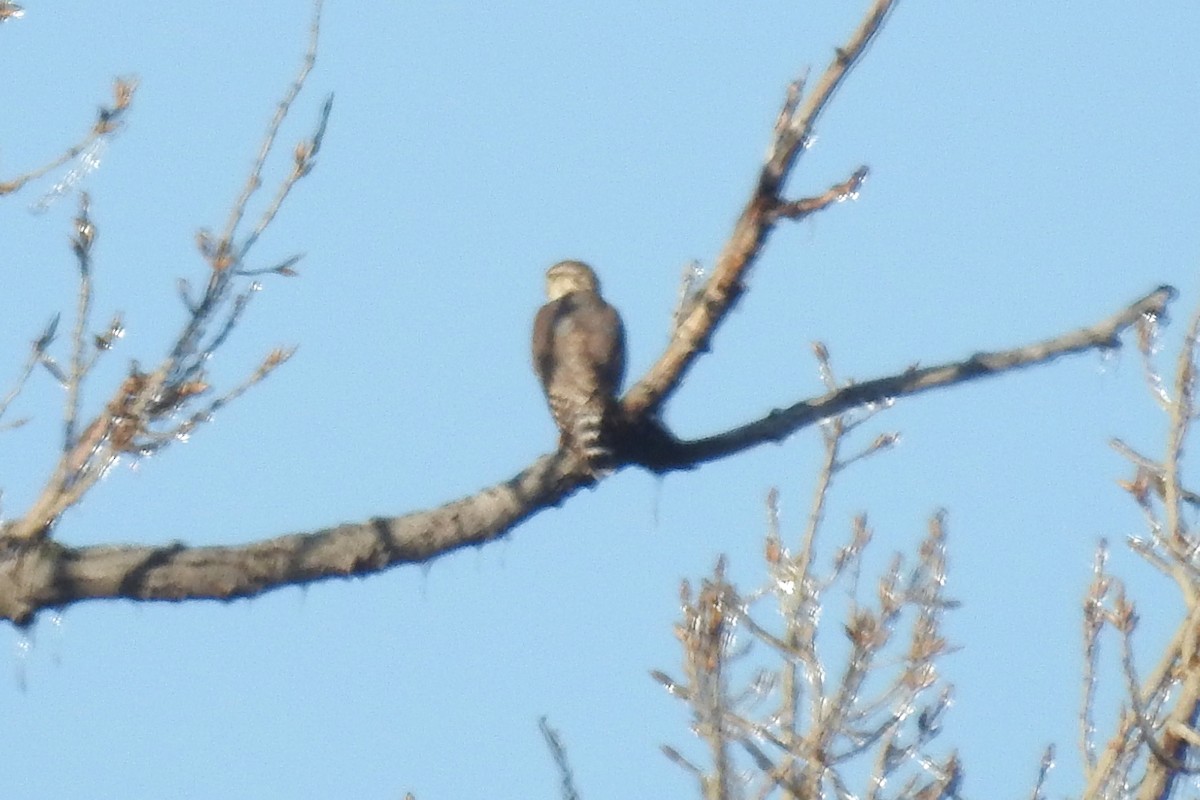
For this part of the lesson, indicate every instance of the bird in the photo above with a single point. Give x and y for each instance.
(579, 357)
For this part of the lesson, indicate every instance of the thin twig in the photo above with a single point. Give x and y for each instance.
(558, 752)
(85, 234)
(254, 181)
(37, 351)
(1044, 768)
(1093, 622)
(108, 123)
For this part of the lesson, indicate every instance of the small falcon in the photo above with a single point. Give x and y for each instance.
(579, 357)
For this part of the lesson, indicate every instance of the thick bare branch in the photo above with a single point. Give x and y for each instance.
(36, 576)
(41, 573)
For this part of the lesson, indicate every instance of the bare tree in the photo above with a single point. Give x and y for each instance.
(790, 725)
(150, 408)
(807, 719)
(819, 717)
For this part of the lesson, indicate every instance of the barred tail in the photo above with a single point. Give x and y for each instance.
(588, 430)
(591, 437)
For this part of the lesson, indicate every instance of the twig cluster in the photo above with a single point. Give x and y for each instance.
(799, 728)
(152, 408)
(1154, 744)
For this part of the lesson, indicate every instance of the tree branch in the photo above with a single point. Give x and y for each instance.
(781, 423)
(37, 572)
(793, 131)
(40, 573)
(141, 416)
(108, 122)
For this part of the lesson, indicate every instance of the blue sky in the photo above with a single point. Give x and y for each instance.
(1033, 169)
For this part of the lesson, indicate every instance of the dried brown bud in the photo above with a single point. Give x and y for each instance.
(1124, 616)
(191, 389)
(921, 676)
(1146, 329)
(10, 11)
(276, 357)
(116, 330)
(123, 89)
(302, 152)
(864, 630)
(883, 441)
(772, 550)
(85, 231)
(889, 596)
(204, 243)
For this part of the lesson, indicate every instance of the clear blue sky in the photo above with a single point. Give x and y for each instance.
(1033, 169)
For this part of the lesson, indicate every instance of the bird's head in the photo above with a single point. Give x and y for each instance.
(570, 276)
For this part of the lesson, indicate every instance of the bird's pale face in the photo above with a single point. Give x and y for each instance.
(570, 276)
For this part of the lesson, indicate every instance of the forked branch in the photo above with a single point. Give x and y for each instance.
(109, 120)
(781, 423)
(151, 409)
(37, 572)
(793, 131)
